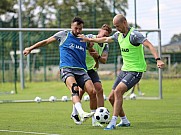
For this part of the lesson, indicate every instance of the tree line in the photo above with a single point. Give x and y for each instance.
(59, 13)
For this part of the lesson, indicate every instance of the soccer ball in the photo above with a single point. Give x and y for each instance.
(12, 92)
(102, 115)
(64, 98)
(52, 99)
(86, 98)
(132, 96)
(37, 99)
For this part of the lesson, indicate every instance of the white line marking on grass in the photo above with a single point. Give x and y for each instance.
(36, 133)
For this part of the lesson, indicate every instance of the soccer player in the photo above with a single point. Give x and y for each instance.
(96, 53)
(72, 64)
(131, 93)
(131, 44)
(139, 90)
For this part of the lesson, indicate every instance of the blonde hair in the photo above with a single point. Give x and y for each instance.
(107, 28)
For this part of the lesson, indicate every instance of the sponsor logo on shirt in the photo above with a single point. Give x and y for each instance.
(72, 46)
(125, 50)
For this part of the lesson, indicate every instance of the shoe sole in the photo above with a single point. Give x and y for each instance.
(77, 123)
(112, 128)
(124, 125)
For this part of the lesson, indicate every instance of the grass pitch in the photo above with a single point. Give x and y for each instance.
(154, 117)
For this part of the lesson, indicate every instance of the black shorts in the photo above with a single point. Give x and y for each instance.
(93, 75)
(128, 78)
(80, 75)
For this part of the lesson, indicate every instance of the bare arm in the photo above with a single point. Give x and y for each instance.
(38, 44)
(160, 64)
(97, 40)
(103, 57)
(96, 56)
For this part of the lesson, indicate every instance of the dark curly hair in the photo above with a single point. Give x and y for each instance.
(78, 20)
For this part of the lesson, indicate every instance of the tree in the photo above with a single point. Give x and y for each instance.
(175, 38)
(58, 13)
(6, 11)
(6, 6)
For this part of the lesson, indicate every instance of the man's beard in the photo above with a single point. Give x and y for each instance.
(76, 35)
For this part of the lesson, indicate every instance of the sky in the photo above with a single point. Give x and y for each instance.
(147, 17)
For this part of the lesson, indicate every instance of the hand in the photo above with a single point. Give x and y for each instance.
(26, 51)
(83, 37)
(91, 44)
(93, 53)
(96, 65)
(160, 64)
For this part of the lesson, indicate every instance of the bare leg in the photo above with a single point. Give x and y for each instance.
(112, 101)
(99, 94)
(118, 95)
(132, 91)
(111, 98)
(139, 90)
(81, 93)
(116, 99)
(89, 88)
(69, 82)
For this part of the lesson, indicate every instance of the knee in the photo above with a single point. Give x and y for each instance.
(92, 93)
(99, 91)
(98, 88)
(119, 92)
(75, 89)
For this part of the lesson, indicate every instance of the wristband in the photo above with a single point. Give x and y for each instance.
(157, 59)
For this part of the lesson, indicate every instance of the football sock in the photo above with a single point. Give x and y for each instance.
(93, 119)
(113, 121)
(139, 92)
(74, 110)
(78, 107)
(114, 118)
(124, 120)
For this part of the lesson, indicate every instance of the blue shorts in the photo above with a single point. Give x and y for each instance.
(80, 75)
(128, 78)
(93, 75)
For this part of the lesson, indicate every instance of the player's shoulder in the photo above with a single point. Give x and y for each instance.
(106, 46)
(115, 36)
(136, 33)
(61, 33)
(137, 37)
(117, 33)
(90, 36)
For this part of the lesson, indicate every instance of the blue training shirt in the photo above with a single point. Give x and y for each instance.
(72, 51)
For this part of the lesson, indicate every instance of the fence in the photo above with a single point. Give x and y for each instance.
(42, 64)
